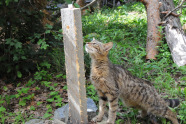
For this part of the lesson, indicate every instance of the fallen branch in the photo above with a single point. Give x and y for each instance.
(171, 12)
(91, 3)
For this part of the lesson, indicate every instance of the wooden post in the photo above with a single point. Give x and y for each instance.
(74, 62)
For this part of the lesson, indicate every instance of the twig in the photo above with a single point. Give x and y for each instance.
(171, 12)
(89, 4)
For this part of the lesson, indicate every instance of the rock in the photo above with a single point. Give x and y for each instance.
(62, 113)
(39, 121)
(55, 121)
(35, 121)
(91, 109)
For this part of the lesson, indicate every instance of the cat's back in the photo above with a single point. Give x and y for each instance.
(123, 74)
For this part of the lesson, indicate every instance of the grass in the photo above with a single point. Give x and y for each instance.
(126, 26)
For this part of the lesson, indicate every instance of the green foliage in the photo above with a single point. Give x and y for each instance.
(48, 112)
(91, 92)
(27, 36)
(55, 97)
(182, 112)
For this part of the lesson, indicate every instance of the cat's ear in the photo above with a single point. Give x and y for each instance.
(93, 38)
(108, 46)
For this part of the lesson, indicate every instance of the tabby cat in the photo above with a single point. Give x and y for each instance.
(113, 82)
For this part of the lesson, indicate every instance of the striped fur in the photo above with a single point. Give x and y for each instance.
(113, 82)
(172, 102)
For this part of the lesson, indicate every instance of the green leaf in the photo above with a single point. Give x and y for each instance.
(39, 103)
(58, 104)
(46, 64)
(8, 41)
(68, 1)
(2, 109)
(25, 90)
(40, 41)
(37, 88)
(183, 78)
(32, 108)
(7, 2)
(47, 115)
(53, 93)
(59, 75)
(76, 5)
(5, 88)
(48, 26)
(2, 101)
(44, 46)
(47, 31)
(19, 74)
(50, 100)
(22, 102)
(18, 45)
(65, 87)
(17, 95)
(185, 92)
(15, 58)
(48, 107)
(23, 57)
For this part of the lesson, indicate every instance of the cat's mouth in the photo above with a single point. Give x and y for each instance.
(88, 49)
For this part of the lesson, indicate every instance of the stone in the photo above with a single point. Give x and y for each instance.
(91, 109)
(39, 121)
(35, 121)
(62, 113)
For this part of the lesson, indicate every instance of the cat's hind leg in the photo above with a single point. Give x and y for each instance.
(164, 112)
(143, 113)
(171, 116)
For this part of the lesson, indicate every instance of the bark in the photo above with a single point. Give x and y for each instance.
(175, 37)
(153, 35)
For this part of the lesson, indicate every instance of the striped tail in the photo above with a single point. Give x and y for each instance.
(172, 102)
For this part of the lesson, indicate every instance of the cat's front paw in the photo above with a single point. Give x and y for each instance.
(110, 122)
(97, 119)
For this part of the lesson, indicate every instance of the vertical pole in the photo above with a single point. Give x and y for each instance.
(74, 62)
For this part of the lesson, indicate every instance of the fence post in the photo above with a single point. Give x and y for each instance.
(74, 62)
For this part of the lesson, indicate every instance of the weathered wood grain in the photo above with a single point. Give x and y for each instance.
(74, 62)
(175, 36)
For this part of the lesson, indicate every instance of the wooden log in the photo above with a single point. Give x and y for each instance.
(153, 35)
(74, 62)
(175, 36)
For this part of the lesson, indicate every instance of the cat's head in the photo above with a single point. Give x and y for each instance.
(98, 49)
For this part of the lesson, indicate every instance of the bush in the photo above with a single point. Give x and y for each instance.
(27, 35)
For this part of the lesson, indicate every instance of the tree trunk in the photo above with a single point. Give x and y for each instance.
(153, 35)
(175, 37)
